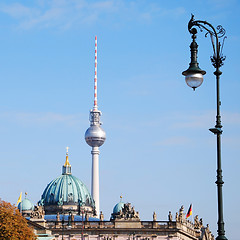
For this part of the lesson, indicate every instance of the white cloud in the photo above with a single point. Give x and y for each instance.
(204, 119)
(184, 125)
(193, 120)
(17, 10)
(64, 14)
(45, 118)
(231, 118)
(60, 13)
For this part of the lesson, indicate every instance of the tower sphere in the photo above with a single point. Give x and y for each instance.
(95, 136)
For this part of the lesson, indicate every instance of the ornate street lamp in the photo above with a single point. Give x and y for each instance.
(194, 78)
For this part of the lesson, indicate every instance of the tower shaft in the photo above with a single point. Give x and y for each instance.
(95, 178)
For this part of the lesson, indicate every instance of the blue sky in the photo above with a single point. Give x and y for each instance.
(159, 153)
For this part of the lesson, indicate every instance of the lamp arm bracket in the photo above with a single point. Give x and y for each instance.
(217, 58)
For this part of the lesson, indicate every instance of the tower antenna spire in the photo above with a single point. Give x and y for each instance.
(95, 136)
(95, 107)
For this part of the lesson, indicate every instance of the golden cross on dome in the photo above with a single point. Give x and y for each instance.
(67, 150)
(67, 162)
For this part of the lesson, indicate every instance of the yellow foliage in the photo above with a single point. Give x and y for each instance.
(13, 226)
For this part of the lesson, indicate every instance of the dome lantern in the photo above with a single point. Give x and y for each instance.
(67, 166)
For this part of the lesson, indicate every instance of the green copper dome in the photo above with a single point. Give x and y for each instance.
(119, 206)
(66, 190)
(25, 205)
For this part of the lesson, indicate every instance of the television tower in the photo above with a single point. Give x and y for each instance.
(95, 136)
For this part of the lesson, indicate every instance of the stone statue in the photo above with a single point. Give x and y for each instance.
(170, 216)
(86, 217)
(181, 209)
(176, 217)
(127, 212)
(208, 233)
(101, 216)
(180, 218)
(58, 217)
(181, 214)
(154, 217)
(196, 222)
(37, 213)
(133, 211)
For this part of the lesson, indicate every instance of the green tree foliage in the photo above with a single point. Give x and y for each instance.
(13, 225)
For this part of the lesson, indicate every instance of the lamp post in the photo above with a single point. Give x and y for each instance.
(70, 223)
(82, 223)
(63, 216)
(70, 219)
(194, 78)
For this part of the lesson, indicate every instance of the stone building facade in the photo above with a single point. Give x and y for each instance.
(124, 225)
(66, 210)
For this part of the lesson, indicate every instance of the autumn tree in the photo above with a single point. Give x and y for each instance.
(13, 225)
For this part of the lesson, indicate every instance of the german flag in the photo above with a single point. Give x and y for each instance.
(189, 213)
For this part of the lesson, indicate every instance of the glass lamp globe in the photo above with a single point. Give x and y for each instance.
(194, 80)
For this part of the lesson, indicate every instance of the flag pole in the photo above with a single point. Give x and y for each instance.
(192, 217)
